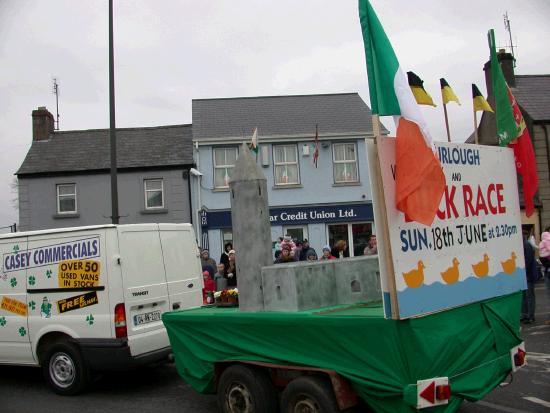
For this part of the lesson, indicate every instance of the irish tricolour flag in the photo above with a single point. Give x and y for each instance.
(420, 181)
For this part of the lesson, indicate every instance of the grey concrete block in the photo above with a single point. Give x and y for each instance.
(304, 286)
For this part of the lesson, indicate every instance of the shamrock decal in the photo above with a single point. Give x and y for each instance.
(32, 280)
(90, 319)
(49, 274)
(3, 321)
(13, 282)
(16, 249)
(32, 305)
(22, 332)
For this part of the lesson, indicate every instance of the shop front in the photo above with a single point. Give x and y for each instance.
(320, 224)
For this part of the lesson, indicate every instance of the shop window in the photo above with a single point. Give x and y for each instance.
(344, 156)
(224, 163)
(298, 232)
(356, 236)
(66, 198)
(285, 159)
(154, 193)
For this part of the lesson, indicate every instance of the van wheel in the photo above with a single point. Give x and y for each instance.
(243, 389)
(64, 369)
(309, 394)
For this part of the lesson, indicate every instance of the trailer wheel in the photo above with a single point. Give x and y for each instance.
(309, 394)
(243, 389)
(64, 369)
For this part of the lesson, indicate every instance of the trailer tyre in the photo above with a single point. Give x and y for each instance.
(64, 369)
(309, 394)
(244, 389)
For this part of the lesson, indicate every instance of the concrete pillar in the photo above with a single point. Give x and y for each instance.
(251, 229)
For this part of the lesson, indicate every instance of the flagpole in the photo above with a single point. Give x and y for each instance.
(382, 224)
(446, 121)
(475, 128)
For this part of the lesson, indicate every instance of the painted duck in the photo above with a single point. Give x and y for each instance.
(481, 269)
(451, 274)
(415, 277)
(509, 266)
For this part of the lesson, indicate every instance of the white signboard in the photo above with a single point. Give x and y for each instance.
(473, 250)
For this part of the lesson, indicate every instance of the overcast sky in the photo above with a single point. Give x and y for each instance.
(169, 52)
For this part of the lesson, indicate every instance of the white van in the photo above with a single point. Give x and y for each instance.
(74, 300)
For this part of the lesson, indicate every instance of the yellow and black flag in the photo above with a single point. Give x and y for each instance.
(479, 101)
(422, 97)
(447, 93)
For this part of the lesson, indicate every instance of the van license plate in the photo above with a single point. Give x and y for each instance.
(146, 318)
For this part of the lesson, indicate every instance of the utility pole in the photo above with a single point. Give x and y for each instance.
(112, 127)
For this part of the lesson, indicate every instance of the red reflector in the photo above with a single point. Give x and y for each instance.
(443, 392)
(120, 321)
(428, 393)
(519, 358)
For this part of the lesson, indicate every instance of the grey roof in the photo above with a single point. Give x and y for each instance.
(281, 115)
(89, 150)
(533, 94)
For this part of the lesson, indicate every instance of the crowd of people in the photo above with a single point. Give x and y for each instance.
(289, 250)
(222, 275)
(218, 277)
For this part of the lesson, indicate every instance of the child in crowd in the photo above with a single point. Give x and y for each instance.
(219, 277)
(311, 255)
(327, 254)
(209, 286)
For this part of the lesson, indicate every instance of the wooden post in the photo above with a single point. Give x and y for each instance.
(475, 128)
(447, 122)
(382, 223)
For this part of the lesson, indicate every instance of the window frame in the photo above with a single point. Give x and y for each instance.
(335, 162)
(275, 164)
(58, 198)
(225, 166)
(145, 191)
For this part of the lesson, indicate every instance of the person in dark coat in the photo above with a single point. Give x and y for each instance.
(340, 249)
(528, 303)
(224, 259)
(305, 250)
(231, 270)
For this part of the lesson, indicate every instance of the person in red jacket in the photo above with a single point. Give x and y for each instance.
(209, 286)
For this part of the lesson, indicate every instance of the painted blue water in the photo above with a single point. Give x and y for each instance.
(438, 296)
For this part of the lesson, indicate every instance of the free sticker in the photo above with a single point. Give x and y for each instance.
(77, 302)
(78, 273)
(14, 306)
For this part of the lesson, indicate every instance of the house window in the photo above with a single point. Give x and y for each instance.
(154, 193)
(66, 198)
(224, 162)
(345, 163)
(285, 159)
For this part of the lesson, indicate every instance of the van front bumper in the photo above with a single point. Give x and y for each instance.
(114, 354)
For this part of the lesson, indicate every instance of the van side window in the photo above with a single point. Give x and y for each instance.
(154, 193)
(66, 198)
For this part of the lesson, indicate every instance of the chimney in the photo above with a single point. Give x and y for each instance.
(42, 124)
(506, 61)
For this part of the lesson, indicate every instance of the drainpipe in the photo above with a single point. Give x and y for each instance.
(198, 230)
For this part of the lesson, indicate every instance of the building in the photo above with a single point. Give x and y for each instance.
(324, 203)
(532, 92)
(64, 180)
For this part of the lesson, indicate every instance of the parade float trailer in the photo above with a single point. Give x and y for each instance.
(430, 322)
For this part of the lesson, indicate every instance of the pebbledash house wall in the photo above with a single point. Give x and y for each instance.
(38, 199)
(316, 191)
(541, 147)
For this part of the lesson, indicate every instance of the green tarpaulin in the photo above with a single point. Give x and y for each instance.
(383, 359)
